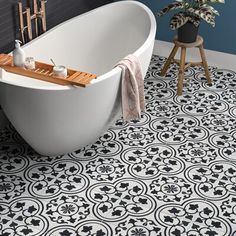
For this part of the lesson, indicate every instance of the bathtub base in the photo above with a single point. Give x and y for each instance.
(55, 119)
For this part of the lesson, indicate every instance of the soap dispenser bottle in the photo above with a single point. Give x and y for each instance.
(18, 55)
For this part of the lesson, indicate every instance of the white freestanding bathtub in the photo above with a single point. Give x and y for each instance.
(57, 119)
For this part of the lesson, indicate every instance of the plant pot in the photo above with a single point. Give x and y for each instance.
(187, 33)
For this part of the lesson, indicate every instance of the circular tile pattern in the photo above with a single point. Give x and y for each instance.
(197, 152)
(194, 217)
(149, 162)
(171, 189)
(201, 103)
(49, 180)
(219, 122)
(171, 173)
(213, 182)
(225, 143)
(105, 169)
(67, 209)
(162, 108)
(23, 216)
(11, 186)
(11, 158)
(88, 227)
(178, 129)
(115, 201)
(133, 136)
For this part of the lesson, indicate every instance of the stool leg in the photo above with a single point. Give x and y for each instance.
(204, 63)
(169, 60)
(181, 71)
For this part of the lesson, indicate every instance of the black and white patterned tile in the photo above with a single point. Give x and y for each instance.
(171, 173)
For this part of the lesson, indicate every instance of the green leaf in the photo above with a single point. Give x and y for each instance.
(209, 1)
(195, 20)
(171, 7)
(178, 20)
(212, 9)
(193, 10)
(205, 14)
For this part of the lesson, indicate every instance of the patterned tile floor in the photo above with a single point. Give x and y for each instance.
(173, 173)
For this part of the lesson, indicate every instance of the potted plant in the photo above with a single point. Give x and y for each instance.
(187, 20)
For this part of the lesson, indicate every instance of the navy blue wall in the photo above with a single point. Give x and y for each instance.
(220, 38)
(57, 11)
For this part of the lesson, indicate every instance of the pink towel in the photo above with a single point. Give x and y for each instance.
(132, 88)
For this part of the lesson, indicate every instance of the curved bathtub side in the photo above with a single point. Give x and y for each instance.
(144, 53)
(59, 122)
(56, 119)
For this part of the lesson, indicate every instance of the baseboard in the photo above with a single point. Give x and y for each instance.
(214, 58)
(3, 120)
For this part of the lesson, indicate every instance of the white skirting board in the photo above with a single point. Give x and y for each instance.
(214, 58)
(162, 48)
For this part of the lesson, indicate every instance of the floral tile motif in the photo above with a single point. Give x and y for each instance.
(197, 152)
(138, 227)
(67, 209)
(86, 228)
(120, 123)
(219, 122)
(11, 186)
(215, 181)
(230, 96)
(162, 108)
(115, 201)
(226, 144)
(171, 189)
(228, 208)
(105, 169)
(23, 216)
(194, 217)
(170, 173)
(158, 91)
(136, 136)
(225, 77)
(150, 162)
(178, 129)
(49, 180)
(201, 102)
(11, 159)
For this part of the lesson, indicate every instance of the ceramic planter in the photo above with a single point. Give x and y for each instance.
(187, 33)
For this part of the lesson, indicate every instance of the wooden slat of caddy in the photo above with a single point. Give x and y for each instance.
(5, 59)
(84, 78)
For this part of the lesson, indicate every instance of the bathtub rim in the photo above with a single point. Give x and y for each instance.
(104, 76)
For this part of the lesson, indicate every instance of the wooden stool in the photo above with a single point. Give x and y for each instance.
(181, 62)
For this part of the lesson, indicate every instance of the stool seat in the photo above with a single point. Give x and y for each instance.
(197, 43)
(177, 44)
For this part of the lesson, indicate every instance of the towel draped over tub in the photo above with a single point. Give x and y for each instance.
(132, 88)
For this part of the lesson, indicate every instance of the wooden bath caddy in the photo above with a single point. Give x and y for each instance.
(44, 72)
